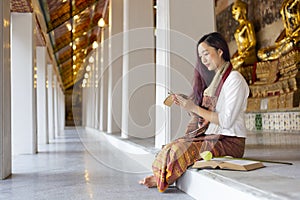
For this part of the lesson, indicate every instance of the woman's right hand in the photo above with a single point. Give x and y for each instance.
(184, 102)
(175, 99)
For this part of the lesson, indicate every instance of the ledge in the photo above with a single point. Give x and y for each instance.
(295, 109)
(273, 138)
(274, 182)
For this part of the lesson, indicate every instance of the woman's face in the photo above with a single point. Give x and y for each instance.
(210, 57)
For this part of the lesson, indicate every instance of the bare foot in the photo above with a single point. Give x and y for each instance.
(149, 181)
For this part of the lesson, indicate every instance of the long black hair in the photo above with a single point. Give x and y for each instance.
(202, 76)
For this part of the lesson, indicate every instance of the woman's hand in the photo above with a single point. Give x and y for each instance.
(184, 102)
(191, 107)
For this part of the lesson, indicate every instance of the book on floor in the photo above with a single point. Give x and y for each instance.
(228, 163)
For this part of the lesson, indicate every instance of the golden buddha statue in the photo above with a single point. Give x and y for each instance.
(289, 39)
(244, 36)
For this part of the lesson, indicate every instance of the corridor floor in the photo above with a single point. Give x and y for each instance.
(78, 166)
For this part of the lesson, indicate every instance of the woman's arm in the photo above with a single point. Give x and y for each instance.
(190, 106)
(235, 91)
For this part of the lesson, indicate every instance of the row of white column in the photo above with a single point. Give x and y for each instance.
(32, 101)
(137, 65)
(37, 98)
(134, 73)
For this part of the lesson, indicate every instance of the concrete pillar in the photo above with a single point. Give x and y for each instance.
(138, 81)
(55, 105)
(103, 80)
(58, 109)
(5, 91)
(97, 91)
(84, 105)
(42, 109)
(24, 130)
(115, 62)
(87, 114)
(89, 101)
(50, 102)
(61, 110)
(92, 96)
(177, 34)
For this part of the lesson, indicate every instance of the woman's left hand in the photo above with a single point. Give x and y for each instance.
(186, 104)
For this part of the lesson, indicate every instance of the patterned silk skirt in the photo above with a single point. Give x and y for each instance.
(174, 158)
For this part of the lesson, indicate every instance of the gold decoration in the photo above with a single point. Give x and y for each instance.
(244, 36)
(277, 85)
(289, 38)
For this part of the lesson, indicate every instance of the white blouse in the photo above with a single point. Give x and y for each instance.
(231, 105)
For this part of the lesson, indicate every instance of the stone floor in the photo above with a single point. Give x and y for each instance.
(78, 165)
(87, 164)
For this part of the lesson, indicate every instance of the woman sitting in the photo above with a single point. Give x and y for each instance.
(216, 106)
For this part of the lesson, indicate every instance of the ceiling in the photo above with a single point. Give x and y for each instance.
(72, 26)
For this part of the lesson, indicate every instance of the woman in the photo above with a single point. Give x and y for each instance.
(217, 125)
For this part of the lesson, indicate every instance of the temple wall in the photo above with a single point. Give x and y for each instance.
(264, 14)
(274, 102)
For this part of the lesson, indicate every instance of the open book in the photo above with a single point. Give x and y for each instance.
(228, 163)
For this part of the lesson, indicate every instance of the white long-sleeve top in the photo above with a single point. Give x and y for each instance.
(231, 106)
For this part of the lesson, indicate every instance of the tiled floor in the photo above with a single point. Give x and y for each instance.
(84, 165)
(77, 165)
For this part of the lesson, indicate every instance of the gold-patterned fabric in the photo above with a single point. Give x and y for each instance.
(174, 159)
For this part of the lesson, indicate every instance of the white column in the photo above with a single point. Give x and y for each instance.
(92, 89)
(59, 108)
(55, 105)
(24, 135)
(42, 110)
(50, 102)
(5, 91)
(176, 57)
(98, 65)
(84, 104)
(115, 62)
(89, 100)
(62, 110)
(138, 81)
(97, 68)
(103, 79)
